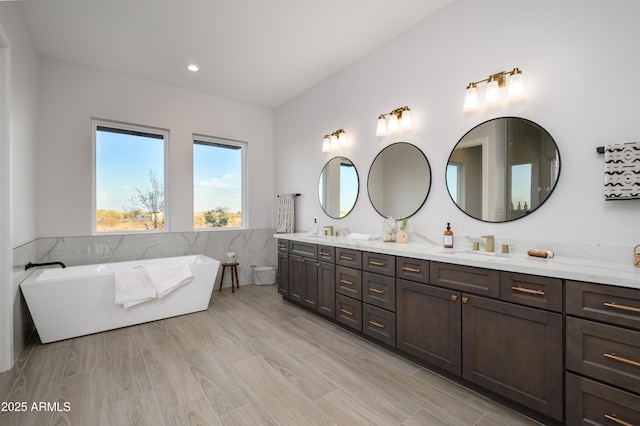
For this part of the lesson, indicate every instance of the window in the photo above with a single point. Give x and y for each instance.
(129, 164)
(219, 183)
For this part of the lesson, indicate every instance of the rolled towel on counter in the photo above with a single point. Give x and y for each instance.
(540, 253)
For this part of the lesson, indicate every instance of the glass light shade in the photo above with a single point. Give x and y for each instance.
(334, 141)
(381, 130)
(405, 119)
(516, 87)
(326, 144)
(471, 99)
(393, 123)
(493, 92)
(342, 138)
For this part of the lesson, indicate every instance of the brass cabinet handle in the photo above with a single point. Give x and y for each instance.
(376, 324)
(282, 245)
(465, 299)
(614, 418)
(375, 290)
(407, 269)
(343, 257)
(344, 311)
(346, 282)
(621, 359)
(325, 254)
(318, 264)
(374, 263)
(454, 297)
(528, 290)
(623, 307)
(301, 260)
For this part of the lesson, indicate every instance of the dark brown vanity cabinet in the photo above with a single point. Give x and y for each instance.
(513, 350)
(283, 273)
(603, 354)
(500, 330)
(309, 281)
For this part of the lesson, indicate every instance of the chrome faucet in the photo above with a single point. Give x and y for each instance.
(491, 241)
(328, 228)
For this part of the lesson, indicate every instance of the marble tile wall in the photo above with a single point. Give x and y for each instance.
(252, 247)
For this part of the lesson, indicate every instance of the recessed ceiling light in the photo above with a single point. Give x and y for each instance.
(193, 68)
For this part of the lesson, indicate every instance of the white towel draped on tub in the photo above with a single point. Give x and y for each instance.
(166, 278)
(622, 171)
(143, 283)
(132, 287)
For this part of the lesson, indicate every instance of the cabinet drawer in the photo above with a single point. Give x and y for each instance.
(531, 290)
(283, 246)
(485, 282)
(349, 311)
(379, 290)
(349, 282)
(327, 253)
(379, 324)
(593, 403)
(616, 305)
(350, 258)
(303, 249)
(412, 269)
(604, 352)
(384, 264)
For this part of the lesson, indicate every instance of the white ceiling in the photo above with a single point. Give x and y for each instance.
(262, 52)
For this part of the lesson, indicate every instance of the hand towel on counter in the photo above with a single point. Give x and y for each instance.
(166, 278)
(133, 287)
(622, 171)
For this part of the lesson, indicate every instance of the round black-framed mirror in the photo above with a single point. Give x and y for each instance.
(399, 180)
(503, 169)
(338, 187)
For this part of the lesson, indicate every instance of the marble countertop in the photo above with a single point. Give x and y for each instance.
(565, 267)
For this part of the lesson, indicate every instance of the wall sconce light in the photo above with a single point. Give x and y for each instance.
(333, 140)
(515, 90)
(398, 118)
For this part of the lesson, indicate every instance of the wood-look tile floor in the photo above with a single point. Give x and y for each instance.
(250, 359)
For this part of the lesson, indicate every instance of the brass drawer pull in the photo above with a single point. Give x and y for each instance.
(465, 299)
(376, 324)
(325, 254)
(301, 260)
(621, 359)
(282, 245)
(374, 263)
(528, 290)
(623, 307)
(344, 257)
(344, 311)
(614, 418)
(454, 297)
(407, 269)
(375, 290)
(346, 282)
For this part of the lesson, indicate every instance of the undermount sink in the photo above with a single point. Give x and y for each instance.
(484, 256)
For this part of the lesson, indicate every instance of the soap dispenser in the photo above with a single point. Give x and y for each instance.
(448, 237)
(316, 228)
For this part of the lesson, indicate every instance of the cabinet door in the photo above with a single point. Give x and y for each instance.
(428, 324)
(327, 289)
(283, 274)
(310, 283)
(515, 351)
(296, 278)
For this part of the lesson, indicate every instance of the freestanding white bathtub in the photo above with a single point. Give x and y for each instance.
(80, 300)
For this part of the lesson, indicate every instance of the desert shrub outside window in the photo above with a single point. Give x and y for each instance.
(129, 190)
(219, 183)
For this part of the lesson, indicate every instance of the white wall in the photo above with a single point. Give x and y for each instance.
(580, 66)
(71, 94)
(18, 181)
